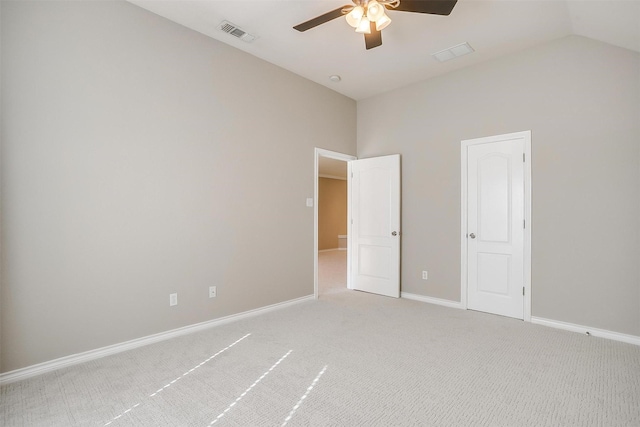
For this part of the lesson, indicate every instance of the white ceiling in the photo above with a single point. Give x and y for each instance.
(492, 27)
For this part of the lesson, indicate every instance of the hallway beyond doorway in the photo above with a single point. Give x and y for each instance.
(332, 271)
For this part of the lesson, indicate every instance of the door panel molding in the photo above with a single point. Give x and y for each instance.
(525, 137)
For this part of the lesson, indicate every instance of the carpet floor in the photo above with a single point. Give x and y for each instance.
(346, 359)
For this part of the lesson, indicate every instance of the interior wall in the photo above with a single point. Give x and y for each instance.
(140, 159)
(332, 212)
(581, 100)
(1, 135)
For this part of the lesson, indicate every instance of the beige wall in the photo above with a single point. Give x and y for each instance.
(1, 137)
(140, 158)
(332, 212)
(581, 100)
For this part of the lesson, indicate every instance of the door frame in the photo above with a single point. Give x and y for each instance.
(526, 137)
(320, 152)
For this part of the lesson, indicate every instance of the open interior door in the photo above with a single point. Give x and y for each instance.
(374, 236)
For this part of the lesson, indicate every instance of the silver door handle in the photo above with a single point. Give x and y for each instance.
(473, 236)
(394, 233)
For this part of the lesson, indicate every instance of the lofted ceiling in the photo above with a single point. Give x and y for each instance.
(493, 28)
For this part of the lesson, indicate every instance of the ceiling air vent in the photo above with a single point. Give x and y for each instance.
(235, 31)
(453, 52)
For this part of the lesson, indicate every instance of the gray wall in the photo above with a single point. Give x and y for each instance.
(139, 159)
(581, 100)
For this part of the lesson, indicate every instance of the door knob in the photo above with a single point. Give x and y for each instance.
(394, 233)
(473, 236)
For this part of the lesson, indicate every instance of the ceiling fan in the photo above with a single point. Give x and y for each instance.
(368, 17)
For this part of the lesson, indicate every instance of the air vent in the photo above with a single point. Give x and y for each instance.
(236, 31)
(453, 52)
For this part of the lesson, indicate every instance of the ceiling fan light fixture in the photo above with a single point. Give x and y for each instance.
(362, 14)
(374, 10)
(354, 17)
(364, 27)
(383, 22)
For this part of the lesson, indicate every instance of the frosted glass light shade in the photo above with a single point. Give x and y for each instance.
(374, 10)
(383, 22)
(354, 17)
(364, 27)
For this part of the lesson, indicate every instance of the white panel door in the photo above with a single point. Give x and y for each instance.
(495, 227)
(374, 189)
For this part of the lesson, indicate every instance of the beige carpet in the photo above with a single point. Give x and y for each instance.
(332, 271)
(348, 359)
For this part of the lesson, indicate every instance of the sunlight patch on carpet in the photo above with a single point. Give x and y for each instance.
(175, 380)
(304, 396)
(222, 414)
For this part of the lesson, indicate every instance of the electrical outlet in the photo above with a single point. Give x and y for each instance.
(425, 275)
(213, 291)
(173, 299)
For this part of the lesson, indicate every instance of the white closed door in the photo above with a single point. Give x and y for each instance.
(374, 239)
(495, 227)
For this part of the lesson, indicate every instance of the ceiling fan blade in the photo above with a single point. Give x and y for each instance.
(318, 20)
(374, 39)
(434, 7)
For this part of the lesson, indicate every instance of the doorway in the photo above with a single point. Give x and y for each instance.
(496, 225)
(330, 166)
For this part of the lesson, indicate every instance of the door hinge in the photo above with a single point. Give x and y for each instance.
(523, 291)
(523, 158)
(524, 223)
(351, 174)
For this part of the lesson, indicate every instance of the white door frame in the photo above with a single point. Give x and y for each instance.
(320, 152)
(526, 137)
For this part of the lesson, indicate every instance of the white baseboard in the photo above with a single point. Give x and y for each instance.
(602, 333)
(431, 300)
(74, 359)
